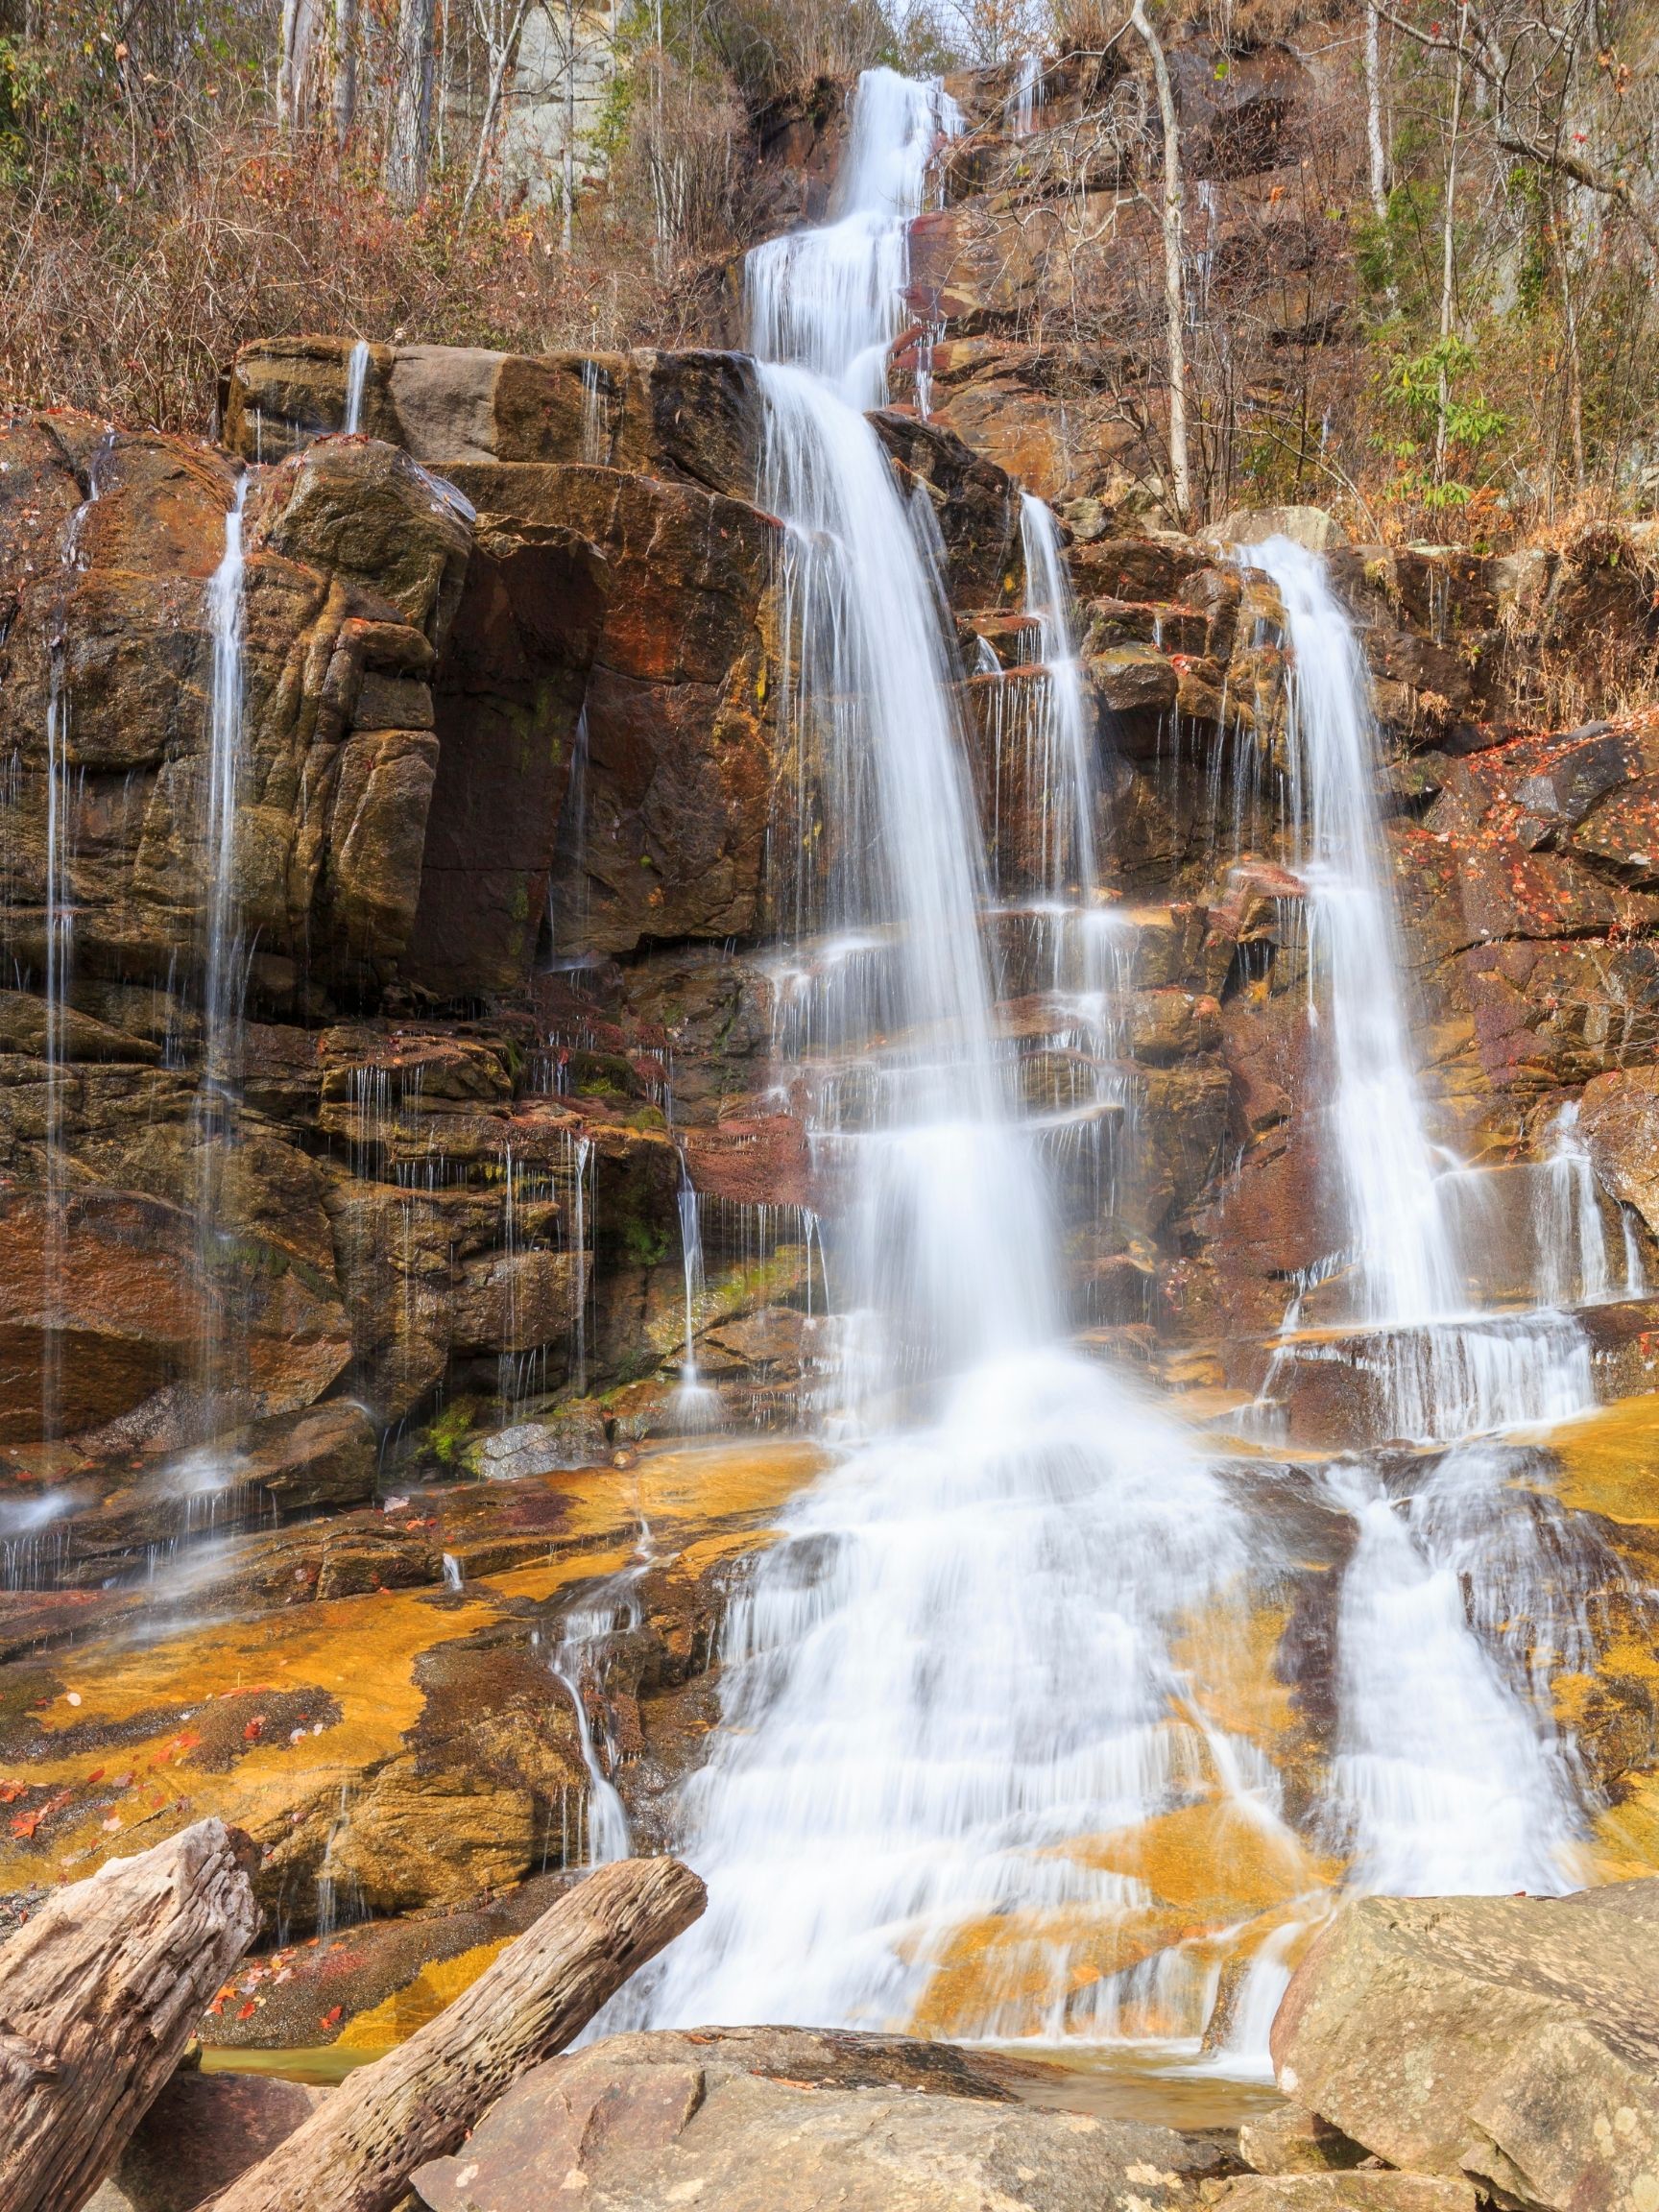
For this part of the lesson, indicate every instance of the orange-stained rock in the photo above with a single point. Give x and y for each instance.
(103, 1303)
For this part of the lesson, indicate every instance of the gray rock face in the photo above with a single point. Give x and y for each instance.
(751, 2119)
(1514, 2040)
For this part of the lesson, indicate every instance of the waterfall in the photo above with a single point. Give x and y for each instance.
(695, 1405)
(1450, 1773)
(834, 299)
(1450, 1777)
(1026, 97)
(356, 376)
(957, 1671)
(1448, 1369)
(223, 960)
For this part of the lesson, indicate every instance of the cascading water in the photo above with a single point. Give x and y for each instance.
(58, 946)
(222, 951)
(1448, 1369)
(1450, 1773)
(834, 299)
(954, 1681)
(695, 1405)
(357, 378)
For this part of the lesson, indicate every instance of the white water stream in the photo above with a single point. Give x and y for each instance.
(1448, 1369)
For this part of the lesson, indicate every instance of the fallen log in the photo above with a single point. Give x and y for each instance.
(357, 2151)
(99, 1994)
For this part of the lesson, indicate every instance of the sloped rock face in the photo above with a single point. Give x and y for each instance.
(1509, 2041)
(758, 2117)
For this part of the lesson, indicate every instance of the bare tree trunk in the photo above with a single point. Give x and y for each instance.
(1448, 269)
(409, 149)
(298, 68)
(1174, 281)
(504, 61)
(357, 2151)
(1374, 112)
(344, 70)
(569, 123)
(1575, 370)
(99, 1994)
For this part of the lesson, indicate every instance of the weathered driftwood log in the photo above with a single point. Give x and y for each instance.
(99, 1993)
(356, 2152)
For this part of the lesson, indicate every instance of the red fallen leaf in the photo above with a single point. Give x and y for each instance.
(96, 1775)
(247, 2010)
(185, 1740)
(254, 1729)
(125, 1781)
(333, 2018)
(26, 1824)
(11, 1792)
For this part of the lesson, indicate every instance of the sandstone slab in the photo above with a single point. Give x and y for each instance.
(1513, 2040)
(747, 2120)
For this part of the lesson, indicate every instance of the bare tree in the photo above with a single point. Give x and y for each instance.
(409, 147)
(503, 59)
(1374, 112)
(301, 67)
(1174, 278)
(344, 70)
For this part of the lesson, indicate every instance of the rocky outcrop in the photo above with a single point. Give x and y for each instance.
(751, 2117)
(1509, 2041)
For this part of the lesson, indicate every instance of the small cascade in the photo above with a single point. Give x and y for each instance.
(1444, 1369)
(1448, 1777)
(57, 955)
(586, 1633)
(357, 378)
(339, 1901)
(222, 952)
(1026, 97)
(1575, 1267)
(595, 434)
(695, 1405)
(832, 299)
(1067, 749)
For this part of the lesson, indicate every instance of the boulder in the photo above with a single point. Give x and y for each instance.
(1292, 2140)
(1313, 527)
(202, 2130)
(745, 2120)
(1512, 2040)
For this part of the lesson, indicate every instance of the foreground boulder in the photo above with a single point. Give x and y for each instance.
(746, 2120)
(1513, 2040)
